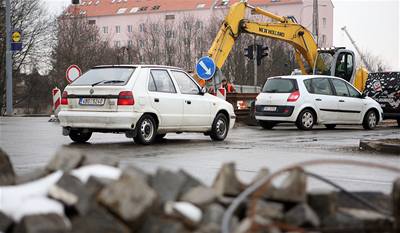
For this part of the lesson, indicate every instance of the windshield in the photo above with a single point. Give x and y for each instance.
(323, 64)
(279, 85)
(107, 76)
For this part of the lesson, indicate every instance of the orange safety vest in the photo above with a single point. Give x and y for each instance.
(229, 88)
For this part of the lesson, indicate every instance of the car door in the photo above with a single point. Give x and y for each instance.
(323, 98)
(165, 99)
(349, 107)
(196, 107)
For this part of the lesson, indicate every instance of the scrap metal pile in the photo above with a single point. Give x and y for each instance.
(80, 193)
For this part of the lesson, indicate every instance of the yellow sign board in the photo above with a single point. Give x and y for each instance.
(16, 37)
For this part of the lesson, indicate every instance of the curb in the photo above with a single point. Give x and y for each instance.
(381, 146)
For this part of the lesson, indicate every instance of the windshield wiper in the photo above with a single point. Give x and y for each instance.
(107, 81)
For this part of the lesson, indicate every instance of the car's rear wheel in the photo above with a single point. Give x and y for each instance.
(147, 130)
(370, 120)
(306, 120)
(330, 126)
(267, 124)
(79, 136)
(220, 128)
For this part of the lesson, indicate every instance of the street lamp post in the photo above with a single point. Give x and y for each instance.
(9, 85)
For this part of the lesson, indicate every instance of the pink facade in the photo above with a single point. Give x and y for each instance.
(120, 19)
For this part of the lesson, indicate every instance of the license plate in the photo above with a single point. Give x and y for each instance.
(91, 101)
(270, 109)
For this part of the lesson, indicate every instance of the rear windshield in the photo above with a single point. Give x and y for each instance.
(108, 76)
(279, 85)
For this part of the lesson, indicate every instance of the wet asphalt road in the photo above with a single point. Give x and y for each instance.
(31, 142)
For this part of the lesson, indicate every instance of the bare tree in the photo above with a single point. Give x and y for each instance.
(375, 62)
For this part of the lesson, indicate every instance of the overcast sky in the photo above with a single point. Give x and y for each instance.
(373, 24)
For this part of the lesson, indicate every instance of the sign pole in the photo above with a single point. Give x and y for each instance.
(255, 60)
(9, 90)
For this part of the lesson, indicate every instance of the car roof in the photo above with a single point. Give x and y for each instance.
(304, 76)
(141, 65)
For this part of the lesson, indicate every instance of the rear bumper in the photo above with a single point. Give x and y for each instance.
(99, 120)
(282, 113)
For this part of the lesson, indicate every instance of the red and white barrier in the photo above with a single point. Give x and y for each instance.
(56, 101)
(221, 93)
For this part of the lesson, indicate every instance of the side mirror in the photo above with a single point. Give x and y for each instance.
(203, 91)
(363, 95)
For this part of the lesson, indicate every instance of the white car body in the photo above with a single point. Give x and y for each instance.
(330, 109)
(173, 112)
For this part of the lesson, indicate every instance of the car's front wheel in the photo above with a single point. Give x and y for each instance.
(267, 124)
(220, 128)
(306, 120)
(79, 136)
(370, 120)
(146, 131)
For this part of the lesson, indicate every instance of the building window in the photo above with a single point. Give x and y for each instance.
(154, 8)
(130, 28)
(117, 43)
(186, 25)
(141, 43)
(142, 27)
(105, 30)
(323, 39)
(169, 17)
(324, 22)
(130, 43)
(92, 22)
(154, 27)
(118, 29)
(144, 8)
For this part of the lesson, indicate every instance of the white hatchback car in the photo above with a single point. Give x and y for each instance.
(143, 101)
(307, 100)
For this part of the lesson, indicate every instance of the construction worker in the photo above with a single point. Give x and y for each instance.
(228, 86)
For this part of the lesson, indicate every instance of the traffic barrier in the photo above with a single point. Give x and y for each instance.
(56, 92)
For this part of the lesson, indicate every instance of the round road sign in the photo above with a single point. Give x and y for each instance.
(205, 68)
(16, 36)
(73, 72)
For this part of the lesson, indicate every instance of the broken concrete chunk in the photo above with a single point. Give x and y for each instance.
(157, 224)
(256, 224)
(396, 203)
(7, 174)
(200, 196)
(213, 214)
(303, 216)
(209, 228)
(262, 173)
(108, 160)
(322, 202)
(369, 219)
(98, 220)
(226, 183)
(293, 188)
(168, 184)
(377, 199)
(132, 171)
(190, 182)
(65, 160)
(47, 223)
(269, 210)
(5, 222)
(31, 176)
(187, 212)
(130, 198)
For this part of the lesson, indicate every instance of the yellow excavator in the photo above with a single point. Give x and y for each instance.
(339, 62)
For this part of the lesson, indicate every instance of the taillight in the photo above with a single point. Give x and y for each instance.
(126, 98)
(64, 98)
(294, 96)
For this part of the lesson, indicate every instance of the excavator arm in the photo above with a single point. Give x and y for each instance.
(284, 29)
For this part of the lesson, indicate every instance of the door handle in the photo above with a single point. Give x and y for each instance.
(318, 99)
(341, 101)
(156, 100)
(188, 102)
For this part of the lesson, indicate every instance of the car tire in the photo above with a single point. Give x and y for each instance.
(370, 120)
(79, 136)
(146, 131)
(160, 137)
(267, 124)
(330, 126)
(306, 120)
(219, 128)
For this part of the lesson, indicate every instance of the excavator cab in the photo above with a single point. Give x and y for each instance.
(339, 62)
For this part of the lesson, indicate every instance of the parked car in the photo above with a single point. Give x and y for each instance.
(384, 87)
(143, 101)
(307, 100)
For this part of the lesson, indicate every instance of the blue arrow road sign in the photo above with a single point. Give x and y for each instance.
(205, 68)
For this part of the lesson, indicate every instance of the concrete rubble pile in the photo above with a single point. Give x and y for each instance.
(79, 193)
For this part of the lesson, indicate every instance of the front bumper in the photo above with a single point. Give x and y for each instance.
(99, 120)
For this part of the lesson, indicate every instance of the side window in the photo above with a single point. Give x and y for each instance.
(340, 87)
(353, 92)
(185, 83)
(160, 81)
(321, 86)
(307, 83)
